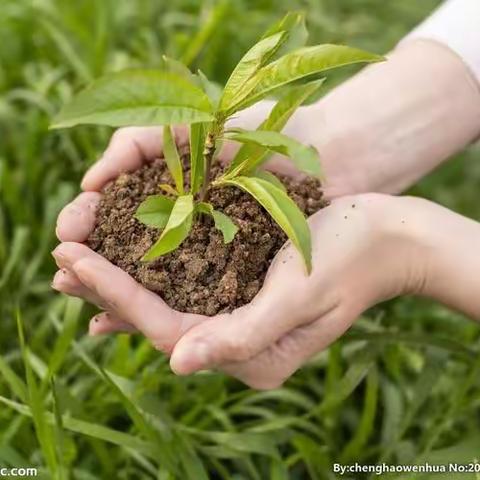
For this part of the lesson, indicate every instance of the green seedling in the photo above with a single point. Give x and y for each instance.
(174, 95)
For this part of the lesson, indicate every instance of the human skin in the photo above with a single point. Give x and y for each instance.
(381, 131)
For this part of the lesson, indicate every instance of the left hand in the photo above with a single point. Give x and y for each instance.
(365, 250)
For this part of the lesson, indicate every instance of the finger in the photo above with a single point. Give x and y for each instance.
(104, 323)
(77, 219)
(67, 282)
(129, 148)
(269, 369)
(283, 304)
(124, 297)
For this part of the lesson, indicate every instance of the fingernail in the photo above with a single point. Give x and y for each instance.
(189, 358)
(57, 253)
(57, 279)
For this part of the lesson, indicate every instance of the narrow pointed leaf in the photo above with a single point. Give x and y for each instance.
(155, 211)
(294, 24)
(175, 66)
(212, 89)
(172, 158)
(248, 66)
(299, 64)
(176, 230)
(276, 121)
(197, 160)
(271, 178)
(282, 209)
(137, 97)
(304, 158)
(286, 106)
(222, 221)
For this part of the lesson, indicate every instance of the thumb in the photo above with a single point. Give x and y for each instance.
(282, 304)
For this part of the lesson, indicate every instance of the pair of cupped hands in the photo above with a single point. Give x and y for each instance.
(365, 250)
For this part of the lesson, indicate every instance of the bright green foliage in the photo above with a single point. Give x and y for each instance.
(222, 221)
(304, 158)
(155, 211)
(197, 160)
(296, 65)
(209, 420)
(282, 209)
(248, 66)
(137, 97)
(172, 158)
(277, 119)
(174, 95)
(176, 229)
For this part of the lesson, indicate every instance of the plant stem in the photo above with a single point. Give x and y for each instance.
(208, 153)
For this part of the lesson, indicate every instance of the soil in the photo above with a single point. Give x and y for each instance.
(203, 275)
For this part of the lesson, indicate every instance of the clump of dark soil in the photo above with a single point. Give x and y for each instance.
(203, 275)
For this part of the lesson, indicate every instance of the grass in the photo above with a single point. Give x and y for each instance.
(402, 386)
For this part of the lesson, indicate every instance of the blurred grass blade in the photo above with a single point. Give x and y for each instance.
(43, 429)
(354, 448)
(14, 382)
(210, 25)
(90, 429)
(354, 375)
(19, 243)
(63, 343)
(65, 46)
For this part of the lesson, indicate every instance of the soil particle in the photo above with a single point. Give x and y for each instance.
(203, 275)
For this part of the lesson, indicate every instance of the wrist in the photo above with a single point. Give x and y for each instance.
(395, 121)
(439, 254)
(453, 261)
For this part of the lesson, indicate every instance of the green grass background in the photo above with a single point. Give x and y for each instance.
(401, 387)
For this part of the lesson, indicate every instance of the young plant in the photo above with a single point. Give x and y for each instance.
(174, 95)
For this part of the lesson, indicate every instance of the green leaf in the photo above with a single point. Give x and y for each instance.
(270, 177)
(304, 158)
(197, 159)
(282, 209)
(155, 211)
(222, 221)
(208, 27)
(294, 24)
(172, 158)
(248, 66)
(137, 97)
(212, 89)
(296, 65)
(278, 118)
(176, 230)
(175, 66)
(64, 340)
(36, 402)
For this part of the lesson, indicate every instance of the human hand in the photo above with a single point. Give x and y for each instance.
(359, 259)
(382, 247)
